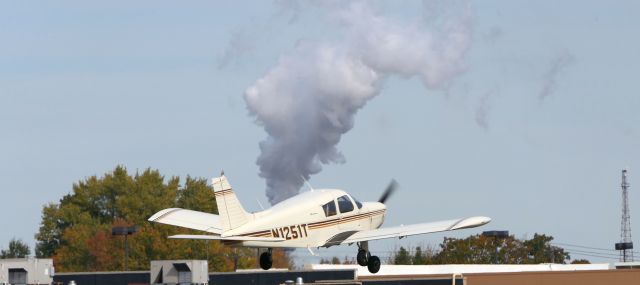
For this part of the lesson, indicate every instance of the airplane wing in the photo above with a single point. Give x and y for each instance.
(407, 230)
(231, 238)
(189, 219)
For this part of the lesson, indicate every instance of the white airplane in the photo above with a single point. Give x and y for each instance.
(317, 218)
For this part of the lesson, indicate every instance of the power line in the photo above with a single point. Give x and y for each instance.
(581, 246)
(594, 253)
(587, 247)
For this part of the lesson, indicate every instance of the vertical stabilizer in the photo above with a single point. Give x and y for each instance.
(232, 214)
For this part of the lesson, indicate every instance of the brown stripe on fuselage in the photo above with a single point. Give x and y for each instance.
(333, 222)
(223, 192)
(257, 234)
(322, 224)
(340, 221)
(354, 217)
(357, 217)
(350, 218)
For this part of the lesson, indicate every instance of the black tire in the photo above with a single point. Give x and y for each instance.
(374, 264)
(363, 257)
(266, 260)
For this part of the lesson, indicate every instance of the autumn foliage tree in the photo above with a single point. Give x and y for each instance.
(479, 249)
(76, 231)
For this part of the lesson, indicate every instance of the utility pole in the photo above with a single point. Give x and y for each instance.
(625, 246)
(126, 232)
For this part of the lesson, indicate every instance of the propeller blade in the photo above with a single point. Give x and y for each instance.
(387, 192)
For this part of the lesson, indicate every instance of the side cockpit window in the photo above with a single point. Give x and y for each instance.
(345, 205)
(329, 208)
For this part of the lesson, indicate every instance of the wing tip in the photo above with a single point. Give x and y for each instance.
(161, 213)
(471, 222)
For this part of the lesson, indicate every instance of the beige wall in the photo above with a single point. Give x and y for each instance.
(604, 277)
(596, 277)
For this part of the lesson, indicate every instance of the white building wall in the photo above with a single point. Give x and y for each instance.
(39, 271)
(199, 271)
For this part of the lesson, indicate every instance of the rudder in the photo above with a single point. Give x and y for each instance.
(232, 214)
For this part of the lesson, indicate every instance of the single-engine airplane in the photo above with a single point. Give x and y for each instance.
(317, 218)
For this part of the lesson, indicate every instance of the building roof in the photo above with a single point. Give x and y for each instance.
(451, 269)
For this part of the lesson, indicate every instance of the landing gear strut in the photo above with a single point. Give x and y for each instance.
(266, 260)
(365, 258)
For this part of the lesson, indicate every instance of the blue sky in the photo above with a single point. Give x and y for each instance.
(533, 134)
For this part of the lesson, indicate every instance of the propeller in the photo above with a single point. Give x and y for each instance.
(393, 185)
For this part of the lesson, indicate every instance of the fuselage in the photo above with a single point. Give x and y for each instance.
(318, 218)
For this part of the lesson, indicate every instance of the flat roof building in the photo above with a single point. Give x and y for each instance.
(26, 271)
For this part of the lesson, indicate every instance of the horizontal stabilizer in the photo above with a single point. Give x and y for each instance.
(231, 238)
(189, 219)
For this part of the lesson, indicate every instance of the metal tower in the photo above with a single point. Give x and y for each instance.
(625, 246)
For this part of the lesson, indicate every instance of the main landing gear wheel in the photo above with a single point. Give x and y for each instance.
(374, 264)
(363, 257)
(266, 260)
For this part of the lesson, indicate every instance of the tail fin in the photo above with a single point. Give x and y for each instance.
(232, 214)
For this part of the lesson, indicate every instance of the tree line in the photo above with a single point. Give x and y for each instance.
(480, 249)
(76, 231)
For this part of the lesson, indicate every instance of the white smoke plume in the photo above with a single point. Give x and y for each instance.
(309, 99)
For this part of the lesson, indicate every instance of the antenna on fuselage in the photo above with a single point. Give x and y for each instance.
(307, 183)
(259, 204)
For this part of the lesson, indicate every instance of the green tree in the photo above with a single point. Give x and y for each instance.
(402, 257)
(17, 249)
(471, 250)
(76, 232)
(197, 195)
(50, 233)
(429, 255)
(418, 257)
(541, 251)
(479, 249)
(349, 260)
(426, 256)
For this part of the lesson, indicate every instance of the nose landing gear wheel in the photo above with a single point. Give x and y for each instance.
(266, 260)
(363, 257)
(373, 264)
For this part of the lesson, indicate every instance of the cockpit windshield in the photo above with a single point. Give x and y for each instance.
(344, 204)
(357, 202)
